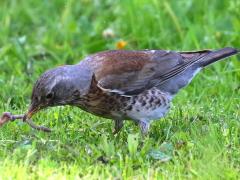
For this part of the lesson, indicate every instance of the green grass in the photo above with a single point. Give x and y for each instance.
(198, 139)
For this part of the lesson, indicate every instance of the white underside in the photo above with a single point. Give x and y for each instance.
(194, 74)
(153, 114)
(148, 115)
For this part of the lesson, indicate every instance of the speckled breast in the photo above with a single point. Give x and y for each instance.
(149, 105)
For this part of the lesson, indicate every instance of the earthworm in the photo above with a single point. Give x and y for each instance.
(7, 116)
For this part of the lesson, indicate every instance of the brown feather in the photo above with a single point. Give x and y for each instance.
(132, 72)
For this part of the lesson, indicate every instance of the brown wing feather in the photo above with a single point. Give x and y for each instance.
(132, 72)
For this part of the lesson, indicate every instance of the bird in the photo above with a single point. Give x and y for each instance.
(136, 85)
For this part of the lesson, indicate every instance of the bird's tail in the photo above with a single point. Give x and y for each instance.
(216, 55)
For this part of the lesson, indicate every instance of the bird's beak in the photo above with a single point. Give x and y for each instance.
(31, 111)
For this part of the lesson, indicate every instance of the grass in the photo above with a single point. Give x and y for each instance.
(198, 139)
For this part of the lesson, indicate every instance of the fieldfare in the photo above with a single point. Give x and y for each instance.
(121, 84)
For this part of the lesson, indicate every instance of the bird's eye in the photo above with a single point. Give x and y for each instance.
(49, 95)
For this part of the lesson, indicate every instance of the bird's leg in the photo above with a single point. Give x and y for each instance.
(144, 126)
(118, 125)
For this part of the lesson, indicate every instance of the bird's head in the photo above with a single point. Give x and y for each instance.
(64, 85)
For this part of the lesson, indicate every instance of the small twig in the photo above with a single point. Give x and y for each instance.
(7, 116)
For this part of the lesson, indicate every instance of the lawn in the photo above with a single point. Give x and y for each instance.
(198, 139)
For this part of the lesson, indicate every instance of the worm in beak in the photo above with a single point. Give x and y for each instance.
(31, 111)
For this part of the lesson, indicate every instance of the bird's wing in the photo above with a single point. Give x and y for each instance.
(132, 72)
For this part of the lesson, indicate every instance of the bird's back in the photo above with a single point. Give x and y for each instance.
(132, 72)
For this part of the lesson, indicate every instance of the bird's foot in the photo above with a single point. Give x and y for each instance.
(144, 126)
(118, 126)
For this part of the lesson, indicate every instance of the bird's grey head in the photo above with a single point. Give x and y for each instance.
(60, 86)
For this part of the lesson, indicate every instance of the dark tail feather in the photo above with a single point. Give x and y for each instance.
(217, 55)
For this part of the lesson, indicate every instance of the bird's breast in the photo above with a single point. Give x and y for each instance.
(150, 105)
(99, 103)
